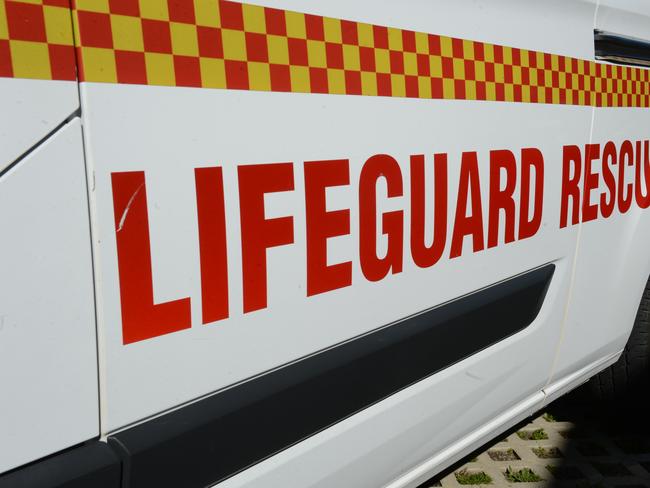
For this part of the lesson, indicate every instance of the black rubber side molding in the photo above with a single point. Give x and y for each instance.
(621, 49)
(216, 437)
(94, 465)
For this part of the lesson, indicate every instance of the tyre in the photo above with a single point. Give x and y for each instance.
(630, 375)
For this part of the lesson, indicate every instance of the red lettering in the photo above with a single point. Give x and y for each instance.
(501, 199)
(468, 187)
(642, 200)
(425, 256)
(141, 318)
(609, 158)
(373, 267)
(257, 232)
(625, 158)
(589, 211)
(211, 214)
(571, 159)
(531, 158)
(322, 225)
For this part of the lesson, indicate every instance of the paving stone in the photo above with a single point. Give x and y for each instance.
(582, 454)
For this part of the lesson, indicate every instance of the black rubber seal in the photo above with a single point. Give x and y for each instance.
(214, 438)
(93, 465)
(620, 49)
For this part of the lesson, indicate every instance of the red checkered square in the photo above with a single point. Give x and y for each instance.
(384, 85)
(232, 15)
(236, 75)
(396, 62)
(447, 67)
(470, 72)
(367, 58)
(280, 77)
(25, 22)
(314, 27)
(298, 55)
(6, 68)
(210, 42)
(412, 88)
(156, 36)
(459, 90)
(124, 7)
(424, 66)
(130, 67)
(498, 54)
(408, 41)
(181, 11)
(437, 88)
(275, 22)
(457, 48)
(318, 80)
(256, 47)
(434, 44)
(479, 51)
(62, 62)
(187, 70)
(349, 32)
(334, 55)
(353, 82)
(481, 93)
(95, 29)
(380, 35)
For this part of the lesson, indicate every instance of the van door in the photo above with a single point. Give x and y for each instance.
(273, 185)
(613, 263)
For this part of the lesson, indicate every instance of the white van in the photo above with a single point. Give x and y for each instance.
(311, 244)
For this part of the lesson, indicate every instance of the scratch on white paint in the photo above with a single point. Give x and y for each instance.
(128, 207)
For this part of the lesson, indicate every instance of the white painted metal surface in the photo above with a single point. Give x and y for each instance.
(31, 109)
(48, 361)
(47, 321)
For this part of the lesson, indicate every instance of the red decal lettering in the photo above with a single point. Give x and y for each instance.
(322, 225)
(211, 214)
(373, 267)
(608, 198)
(571, 159)
(141, 318)
(501, 199)
(590, 211)
(529, 225)
(257, 232)
(642, 200)
(625, 158)
(468, 187)
(425, 256)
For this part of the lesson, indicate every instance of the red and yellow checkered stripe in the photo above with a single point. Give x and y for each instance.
(228, 45)
(36, 40)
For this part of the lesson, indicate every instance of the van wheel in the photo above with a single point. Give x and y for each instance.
(630, 374)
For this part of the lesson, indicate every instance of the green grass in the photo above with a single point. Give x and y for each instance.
(547, 452)
(468, 478)
(535, 435)
(549, 417)
(523, 475)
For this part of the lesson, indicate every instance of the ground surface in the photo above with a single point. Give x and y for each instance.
(576, 444)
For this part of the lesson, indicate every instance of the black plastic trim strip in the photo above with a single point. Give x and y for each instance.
(214, 438)
(92, 465)
(621, 49)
